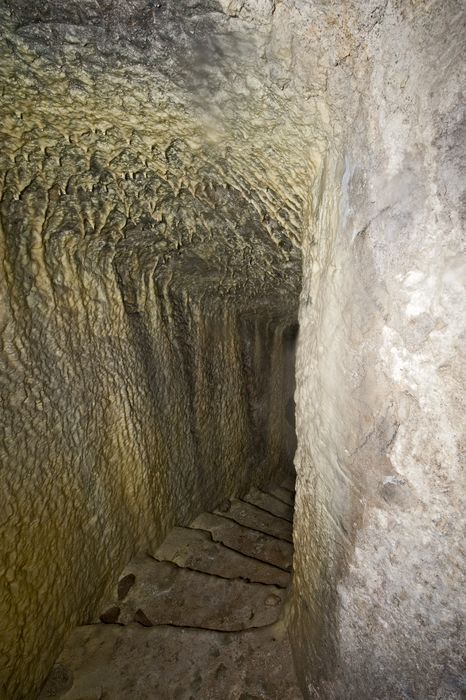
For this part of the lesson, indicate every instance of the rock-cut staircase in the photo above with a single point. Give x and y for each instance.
(201, 619)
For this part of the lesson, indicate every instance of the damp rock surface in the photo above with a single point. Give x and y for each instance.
(147, 287)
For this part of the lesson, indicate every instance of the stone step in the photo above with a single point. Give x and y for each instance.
(270, 503)
(195, 549)
(165, 594)
(257, 519)
(250, 542)
(289, 483)
(202, 618)
(282, 494)
(167, 663)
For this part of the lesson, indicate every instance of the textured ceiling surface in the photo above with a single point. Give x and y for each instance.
(158, 140)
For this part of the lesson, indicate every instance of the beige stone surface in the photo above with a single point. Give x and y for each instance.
(254, 543)
(200, 627)
(251, 516)
(380, 519)
(168, 170)
(123, 663)
(196, 549)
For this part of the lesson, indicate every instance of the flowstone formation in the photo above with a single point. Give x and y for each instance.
(177, 178)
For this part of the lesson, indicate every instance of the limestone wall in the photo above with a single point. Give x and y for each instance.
(115, 427)
(379, 529)
(164, 167)
(146, 365)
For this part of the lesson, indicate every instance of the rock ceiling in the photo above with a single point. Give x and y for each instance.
(161, 143)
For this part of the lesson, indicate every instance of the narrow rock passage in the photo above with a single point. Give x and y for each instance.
(202, 618)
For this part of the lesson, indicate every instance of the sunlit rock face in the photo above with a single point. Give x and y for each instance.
(172, 173)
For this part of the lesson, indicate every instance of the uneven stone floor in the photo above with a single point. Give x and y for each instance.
(201, 619)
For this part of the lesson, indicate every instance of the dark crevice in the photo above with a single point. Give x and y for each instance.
(142, 619)
(209, 629)
(291, 491)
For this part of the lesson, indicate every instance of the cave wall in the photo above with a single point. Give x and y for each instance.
(164, 164)
(379, 524)
(117, 427)
(148, 288)
(117, 424)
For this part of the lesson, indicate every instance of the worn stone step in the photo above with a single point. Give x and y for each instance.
(282, 494)
(195, 549)
(166, 663)
(250, 542)
(289, 483)
(269, 503)
(165, 594)
(200, 619)
(250, 516)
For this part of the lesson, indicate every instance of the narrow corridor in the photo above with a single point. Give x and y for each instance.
(232, 244)
(202, 618)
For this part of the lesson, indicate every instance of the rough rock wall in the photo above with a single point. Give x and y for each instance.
(186, 150)
(380, 517)
(150, 274)
(115, 427)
